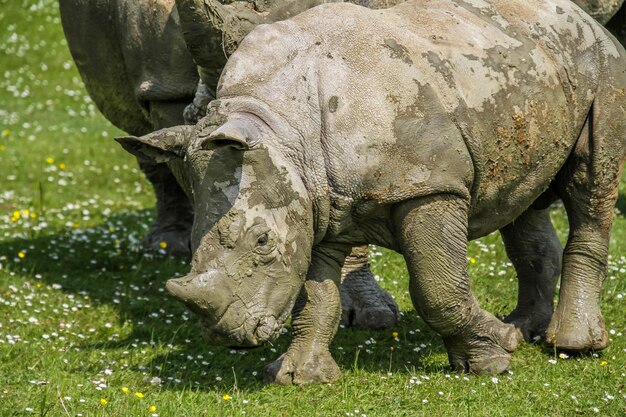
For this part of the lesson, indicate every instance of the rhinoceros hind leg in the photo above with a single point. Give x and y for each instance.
(433, 237)
(171, 231)
(536, 252)
(364, 304)
(588, 186)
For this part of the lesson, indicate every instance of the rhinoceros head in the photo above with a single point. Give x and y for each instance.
(252, 232)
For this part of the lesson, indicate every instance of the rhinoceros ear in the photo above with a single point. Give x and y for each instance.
(240, 134)
(160, 146)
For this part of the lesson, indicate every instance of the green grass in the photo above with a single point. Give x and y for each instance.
(83, 313)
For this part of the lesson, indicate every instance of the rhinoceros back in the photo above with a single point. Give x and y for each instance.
(483, 99)
(129, 53)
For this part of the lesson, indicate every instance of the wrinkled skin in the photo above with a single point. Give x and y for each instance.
(148, 81)
(414, 153)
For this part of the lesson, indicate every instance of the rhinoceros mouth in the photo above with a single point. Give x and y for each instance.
(251, 332)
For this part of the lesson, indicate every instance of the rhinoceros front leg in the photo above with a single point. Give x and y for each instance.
(432, 234)
(536, 253)
(363, 303)
(314, 320)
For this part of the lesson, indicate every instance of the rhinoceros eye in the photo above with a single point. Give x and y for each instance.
(262, 240)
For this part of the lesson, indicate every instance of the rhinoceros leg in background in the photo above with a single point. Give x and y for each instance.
(173, 208)
(364, 304)
(588, 186)
(137, 69)
(536, 253)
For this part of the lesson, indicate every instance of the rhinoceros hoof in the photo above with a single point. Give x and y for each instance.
(577, 332)
(175, 243)
(302, 368)
(483, 347)
(364, 304)
(532, 323)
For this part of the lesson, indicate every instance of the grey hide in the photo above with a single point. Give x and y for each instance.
(417, 128)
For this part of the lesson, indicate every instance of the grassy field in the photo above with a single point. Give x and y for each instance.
(86, 328)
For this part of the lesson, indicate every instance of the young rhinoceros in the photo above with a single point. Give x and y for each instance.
(415, 128)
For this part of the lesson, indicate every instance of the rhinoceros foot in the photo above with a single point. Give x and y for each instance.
(363, 303)
(483, 346)
(580, 332)
(302, 366)
(531, 322)
(174, 240)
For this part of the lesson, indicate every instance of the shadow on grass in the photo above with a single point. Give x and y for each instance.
(97, 262)
(621, 204)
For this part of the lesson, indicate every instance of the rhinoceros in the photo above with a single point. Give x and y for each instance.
(417, 128)
(134, 62)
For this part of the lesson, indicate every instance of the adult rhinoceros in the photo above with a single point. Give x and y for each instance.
(417, 127)
(135, 65)
(136, 68)
(133, 60)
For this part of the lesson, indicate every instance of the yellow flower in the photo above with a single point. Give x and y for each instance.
(152, 408)
(75, 225)
(103, 401)
(395, 335)
(2, 148)
(226, 397)
(33, 216)
(125, 390)
(603, 363)
(21, 255)
(17, 214)
(50, 160)
(472, 260)
(163, 245)
(139, 395)
(62, 166)
(26, 213)
(6, 132)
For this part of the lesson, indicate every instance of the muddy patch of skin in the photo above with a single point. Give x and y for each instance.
(356, 196)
